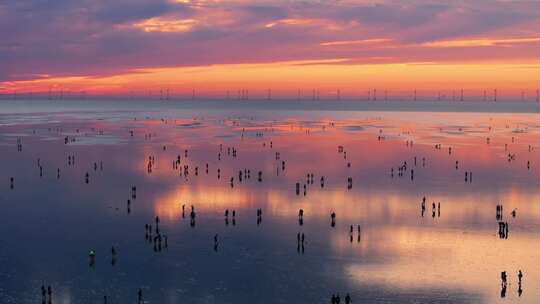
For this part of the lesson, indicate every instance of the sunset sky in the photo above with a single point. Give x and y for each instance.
(212, 46)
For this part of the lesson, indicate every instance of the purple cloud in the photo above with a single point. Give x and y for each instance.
(69, 37)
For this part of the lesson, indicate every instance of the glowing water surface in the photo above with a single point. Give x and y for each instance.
(49, 224)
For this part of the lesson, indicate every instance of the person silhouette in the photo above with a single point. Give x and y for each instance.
(49, 293)
(192, 217)
(43, 294)
(92, 257)
(348, 299)
(113, 253)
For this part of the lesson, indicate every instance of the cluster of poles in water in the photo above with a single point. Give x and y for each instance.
(154, 235)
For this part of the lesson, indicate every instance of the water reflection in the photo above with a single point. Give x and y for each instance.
(276, 206)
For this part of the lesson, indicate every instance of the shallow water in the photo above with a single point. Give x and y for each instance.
(50, 224)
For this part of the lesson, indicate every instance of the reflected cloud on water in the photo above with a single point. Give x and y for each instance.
(451, 256)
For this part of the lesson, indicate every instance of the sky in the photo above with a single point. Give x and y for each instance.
(269, 47)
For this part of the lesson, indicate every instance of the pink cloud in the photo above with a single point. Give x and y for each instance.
(84, 37)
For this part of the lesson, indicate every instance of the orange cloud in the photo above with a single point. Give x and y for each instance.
(356, 42)
(165, 25)
(289, 76)
(479, 42)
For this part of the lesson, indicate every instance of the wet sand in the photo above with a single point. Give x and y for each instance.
(53, 220)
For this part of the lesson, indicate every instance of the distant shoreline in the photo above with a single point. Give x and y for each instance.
(36, 106)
